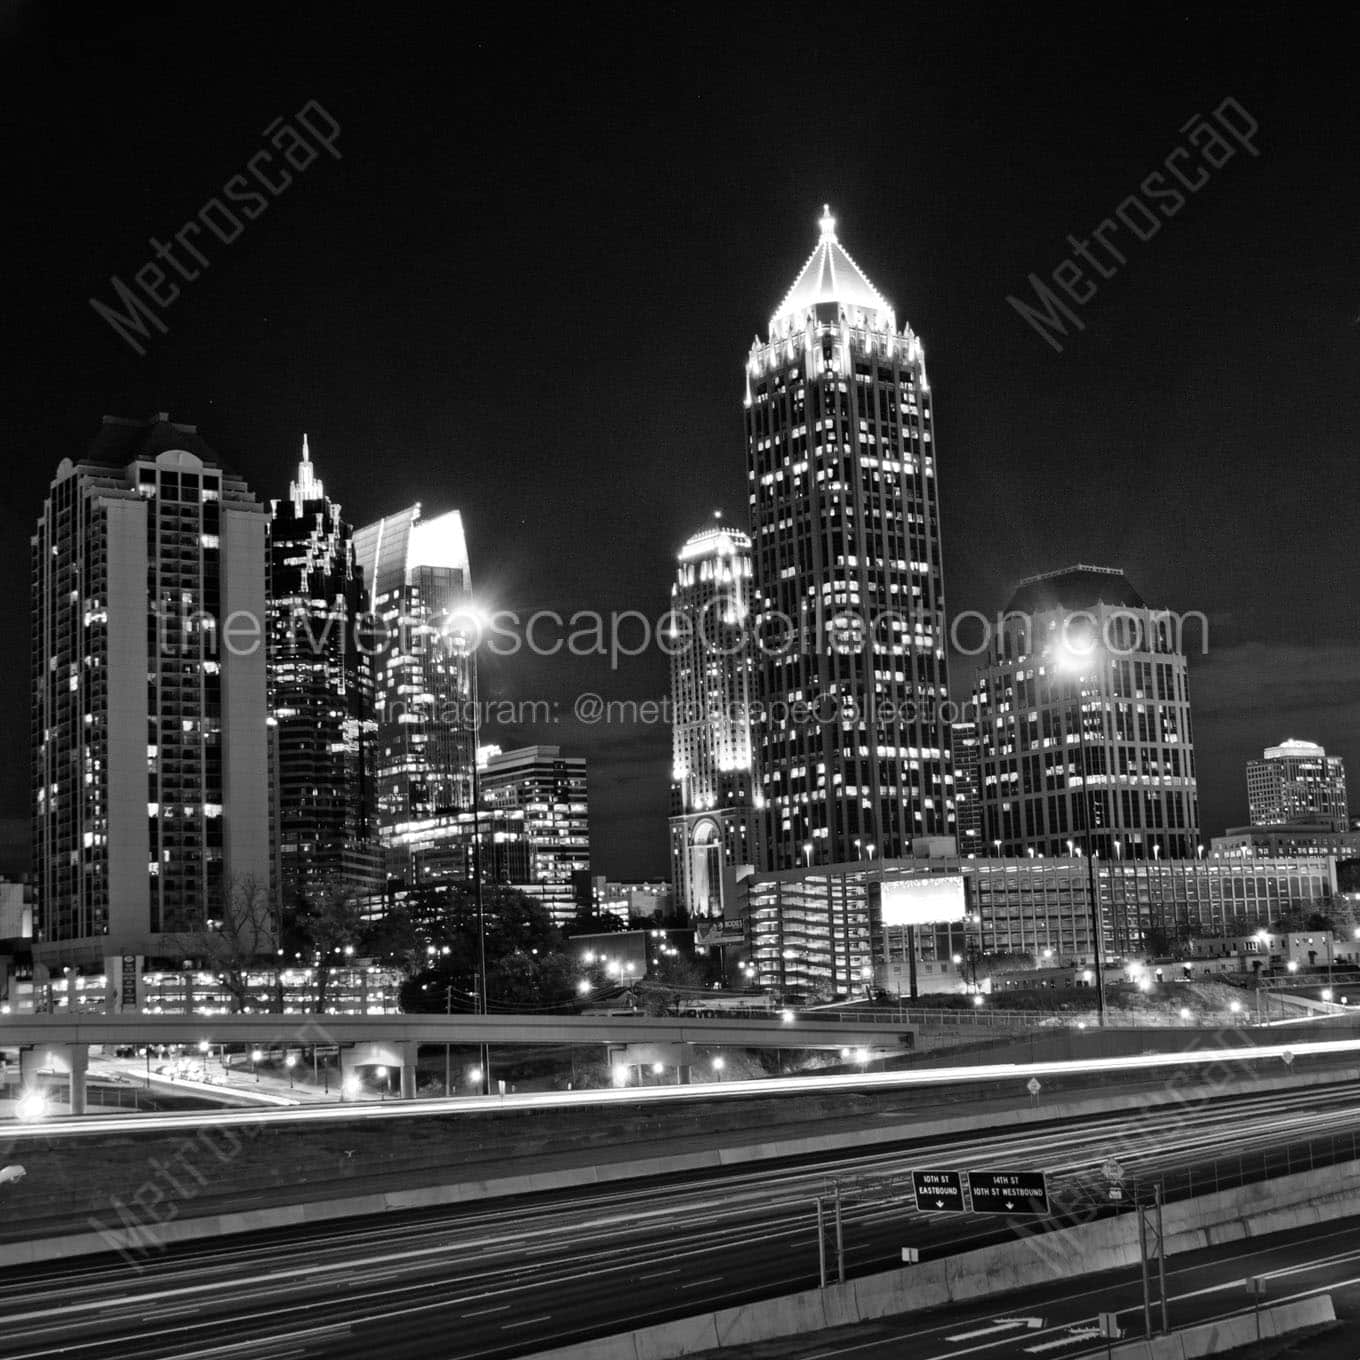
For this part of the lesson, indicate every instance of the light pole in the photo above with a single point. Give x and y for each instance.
(1070, 662)
(477, 864)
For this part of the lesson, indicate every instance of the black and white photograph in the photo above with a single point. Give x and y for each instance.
(678, 681)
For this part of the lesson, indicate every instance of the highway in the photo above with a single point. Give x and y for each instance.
(1057, 1322)
(526, 1273)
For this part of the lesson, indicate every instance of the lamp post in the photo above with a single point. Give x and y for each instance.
(1070, 662)
(477, 863)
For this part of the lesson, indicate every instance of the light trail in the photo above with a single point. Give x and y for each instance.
(349, 1111)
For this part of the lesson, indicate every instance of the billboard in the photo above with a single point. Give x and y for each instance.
(923, 901)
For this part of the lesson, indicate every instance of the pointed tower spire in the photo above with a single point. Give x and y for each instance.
(308, 486)
(830, 276)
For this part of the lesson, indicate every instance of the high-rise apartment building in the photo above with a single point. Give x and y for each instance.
(550, 791)
(419, 583)
(851, 741)
(320, 698)
(1297, 781)
(715, 819)
(1083, 713)
(150, 757)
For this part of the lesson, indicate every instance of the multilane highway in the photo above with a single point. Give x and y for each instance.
(523, 1274)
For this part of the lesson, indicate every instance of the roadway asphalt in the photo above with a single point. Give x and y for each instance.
(528, 1273)
(1058, 1322)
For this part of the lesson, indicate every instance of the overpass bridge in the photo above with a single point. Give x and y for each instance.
(61, 1043)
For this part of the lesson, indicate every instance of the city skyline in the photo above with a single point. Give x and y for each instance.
(1050, 457)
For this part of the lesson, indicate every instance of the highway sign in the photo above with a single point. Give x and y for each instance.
(938, 1191)
(1034, 1086)
(1111, 1170)
(1009, 1192)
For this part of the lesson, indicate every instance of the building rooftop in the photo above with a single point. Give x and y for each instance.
(830, 275)
(121, 441)
(1076, 587)
(1293, 749)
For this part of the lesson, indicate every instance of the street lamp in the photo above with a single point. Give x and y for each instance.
(1071, 662)
(289, 1062)
(718, 1064)
(255, 1058)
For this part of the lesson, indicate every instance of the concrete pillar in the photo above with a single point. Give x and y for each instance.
(408, 1073)
(683, 1072)
(69, 1060)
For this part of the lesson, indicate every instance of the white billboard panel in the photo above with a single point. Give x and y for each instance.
(924, 901)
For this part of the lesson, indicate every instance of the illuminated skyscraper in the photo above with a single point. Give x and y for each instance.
(320, 697)
(852, 746)
(419, 586)
(714, 821)
(549, 790)
(967, 788)
(1083, 713)
(151, 777)
(1297, 781)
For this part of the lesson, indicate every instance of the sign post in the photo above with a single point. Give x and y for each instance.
(1009, 1192)
(1256, 1287)
(938, 1191)
(1034, 1086)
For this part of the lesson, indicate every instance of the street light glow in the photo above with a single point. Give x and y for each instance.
(31, 1106)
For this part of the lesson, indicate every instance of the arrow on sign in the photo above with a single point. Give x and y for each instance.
(1074, 1334)
(1000, 1325)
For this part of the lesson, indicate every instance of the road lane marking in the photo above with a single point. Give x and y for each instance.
(1074, 1336)
(482, 1312)
(1032, 1324)
(526, 1322)
(698, 1284)
(660, 1274)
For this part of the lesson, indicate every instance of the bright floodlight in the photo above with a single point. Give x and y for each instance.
(1185, 1012)
(977, 998)
(658, 1069)
(352, 1086)
(31, 1106)
(786, 1017)
(474, 1075)
(256, 1055)
(1073, 654)
(583, 987)
(861, 1055)
(620, 1075)
(203, 1045)
(1326, 993)
(290, 1060)
(1235, 1006)
(719, 1063)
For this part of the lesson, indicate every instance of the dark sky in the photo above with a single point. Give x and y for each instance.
(527, 288)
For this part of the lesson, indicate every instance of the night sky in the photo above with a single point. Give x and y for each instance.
(527, 288)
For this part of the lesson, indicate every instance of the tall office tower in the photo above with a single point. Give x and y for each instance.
(419, 587)
(1297, 781)
(321, 699)
(550, 790)
(151, 777)
(967, 787)
(851, 742)
(1083, 715)
(715, 820)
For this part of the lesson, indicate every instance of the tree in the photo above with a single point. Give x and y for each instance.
(329, 925)
(241, 936)
(521, 941)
